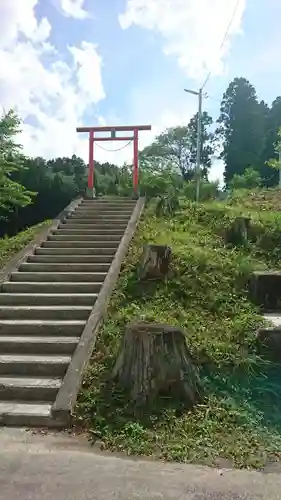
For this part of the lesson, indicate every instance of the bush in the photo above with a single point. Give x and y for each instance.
(250, 179)
(208, 190)
(159, 183)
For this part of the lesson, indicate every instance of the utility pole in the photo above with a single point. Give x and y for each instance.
(199, 146)
(199, 141)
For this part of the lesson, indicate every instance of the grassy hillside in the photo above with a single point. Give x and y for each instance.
(10, 246)
(240, 417)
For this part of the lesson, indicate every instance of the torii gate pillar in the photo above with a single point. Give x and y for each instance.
(113, 137)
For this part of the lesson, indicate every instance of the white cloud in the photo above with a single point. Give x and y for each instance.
(51, 96)
(192, 30)
(88, 62)
(19, 18)
(73, 8)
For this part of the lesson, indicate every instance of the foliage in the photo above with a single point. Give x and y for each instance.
(159, 182)
(12, 194)
(177, 147)
(71, 167)
(249, 179)
(273, 162)
(272, 126)
(54, 191)
(241, 128)
(207, 296)
(10, 246)
(264, 202)
(208, 190)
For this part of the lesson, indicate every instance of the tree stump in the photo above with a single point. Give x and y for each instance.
(237, 233)
(154, 362)
(155, 261)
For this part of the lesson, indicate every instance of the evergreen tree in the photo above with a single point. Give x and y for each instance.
(242, 126)
(272, 126)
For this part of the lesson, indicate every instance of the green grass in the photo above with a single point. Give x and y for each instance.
(239, 419)
(10, 246)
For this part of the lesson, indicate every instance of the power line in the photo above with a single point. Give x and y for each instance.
(114, 150)
(224, 38)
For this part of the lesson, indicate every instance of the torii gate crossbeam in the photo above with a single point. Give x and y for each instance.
(113, 137)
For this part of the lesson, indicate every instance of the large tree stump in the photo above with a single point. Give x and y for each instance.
(154, 362)
(237, 233)
(154, 261)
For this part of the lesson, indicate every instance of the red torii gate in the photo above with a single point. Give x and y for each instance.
(91, 130)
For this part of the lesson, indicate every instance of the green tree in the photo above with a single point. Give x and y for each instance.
(12, 193)
(269, 152)
(177, 146)
(241, 128)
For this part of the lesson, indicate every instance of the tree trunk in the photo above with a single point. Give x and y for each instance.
(154, 261)
(154, 362)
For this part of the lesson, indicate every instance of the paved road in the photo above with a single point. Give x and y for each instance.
(61, 467)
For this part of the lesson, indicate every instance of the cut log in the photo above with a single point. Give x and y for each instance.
(167, 205)
(237, 233)
(155, 261)
(154, 362)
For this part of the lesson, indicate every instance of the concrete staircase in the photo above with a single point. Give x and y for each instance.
(45, 304)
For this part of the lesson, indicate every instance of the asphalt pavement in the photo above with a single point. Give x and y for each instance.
(63, 467)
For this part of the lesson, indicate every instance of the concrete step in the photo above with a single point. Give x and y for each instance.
(45, 305)
(45, 312)
(96, 219)
(64, 267)
(36, 365)
(48, 287)
(86, 212)
(85, 231)
(48, 299)
(117, 200)
(94, 245)
(78, 251)
(55, 277)
(90, 229)
(70, 259)
(99, 217)
(38, 345)
(26, 414)
(85, 237)
(106, 225)
(89, 223)
(29, 389)
(106, 206)
(274, 318)
(31, 327)
(108, 201)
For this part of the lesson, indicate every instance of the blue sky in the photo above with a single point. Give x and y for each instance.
(65, 63)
